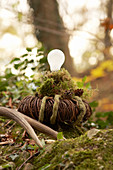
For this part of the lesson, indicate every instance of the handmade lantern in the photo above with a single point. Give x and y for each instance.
(57, 101)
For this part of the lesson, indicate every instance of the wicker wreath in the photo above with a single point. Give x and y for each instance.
(53, 104)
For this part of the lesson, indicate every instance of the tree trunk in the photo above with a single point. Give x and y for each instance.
(107, 40)
(50, 29)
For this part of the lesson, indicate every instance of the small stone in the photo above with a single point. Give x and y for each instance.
(99, 158)
(92, 133)
(101, 167)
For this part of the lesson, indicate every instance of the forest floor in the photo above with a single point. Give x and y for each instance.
(91, 151)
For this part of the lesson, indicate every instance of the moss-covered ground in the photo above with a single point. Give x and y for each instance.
(83, 152)
(79, 153)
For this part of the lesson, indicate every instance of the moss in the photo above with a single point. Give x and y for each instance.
(80, 153)
(41, 113)
(76, 153)
(82, 111)
(55, 109)
(46, 89)
(69, 131)
(56, 83)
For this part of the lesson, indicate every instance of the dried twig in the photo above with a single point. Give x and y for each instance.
(7, 142)
(36, 154)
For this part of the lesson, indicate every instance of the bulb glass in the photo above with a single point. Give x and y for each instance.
(55, 59)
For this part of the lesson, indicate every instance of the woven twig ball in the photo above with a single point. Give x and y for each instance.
(57, 101)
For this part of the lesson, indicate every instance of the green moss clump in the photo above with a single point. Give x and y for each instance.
(56, 83)
(47, 87)
(79, 153)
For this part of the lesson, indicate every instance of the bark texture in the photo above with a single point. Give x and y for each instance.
(50, 29)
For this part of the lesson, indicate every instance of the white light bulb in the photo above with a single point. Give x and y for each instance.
(55, 59)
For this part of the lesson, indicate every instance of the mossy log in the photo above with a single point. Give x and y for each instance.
(91, 151)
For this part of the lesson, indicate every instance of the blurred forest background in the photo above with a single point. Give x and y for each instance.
(82, 29)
